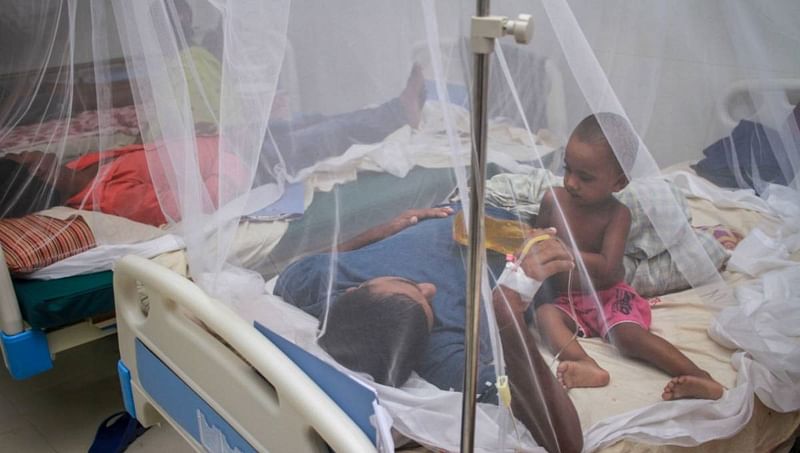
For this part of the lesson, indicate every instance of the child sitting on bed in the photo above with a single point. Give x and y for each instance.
(599, 225)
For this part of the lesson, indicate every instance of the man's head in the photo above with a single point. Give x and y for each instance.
(381, 328)
(598, 150)
(25, 189)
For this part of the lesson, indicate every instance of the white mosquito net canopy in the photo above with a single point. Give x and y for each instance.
(325, 148)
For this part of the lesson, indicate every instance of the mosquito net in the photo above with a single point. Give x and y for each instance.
(318, 155)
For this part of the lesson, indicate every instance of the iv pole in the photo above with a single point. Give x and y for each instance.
(484, 30)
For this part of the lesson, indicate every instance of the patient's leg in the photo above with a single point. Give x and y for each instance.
(413, 96)
(576, 369)
(306, 142)
(689, 381)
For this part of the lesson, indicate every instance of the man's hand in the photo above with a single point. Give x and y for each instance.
(394, 226)
(413, 216)
(546, 258)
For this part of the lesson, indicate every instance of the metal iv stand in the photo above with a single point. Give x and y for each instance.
(484, 30)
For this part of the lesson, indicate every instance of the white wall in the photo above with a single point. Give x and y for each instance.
(671, 62)
(29, 26)
(668, 62)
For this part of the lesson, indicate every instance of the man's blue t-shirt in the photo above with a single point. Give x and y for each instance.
(423, 253)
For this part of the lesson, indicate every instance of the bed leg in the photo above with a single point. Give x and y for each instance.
(26, 354)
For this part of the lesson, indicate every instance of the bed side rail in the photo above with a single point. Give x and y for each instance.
(10, 316)
(742, 98)
(282, 411)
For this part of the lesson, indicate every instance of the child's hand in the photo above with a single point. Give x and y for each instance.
(546, 257)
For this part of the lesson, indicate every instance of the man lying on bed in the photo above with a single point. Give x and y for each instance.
(109, 180)
(302, 139)
(397, 305)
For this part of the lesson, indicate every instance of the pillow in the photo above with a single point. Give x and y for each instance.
(34, 241)
(660, 274)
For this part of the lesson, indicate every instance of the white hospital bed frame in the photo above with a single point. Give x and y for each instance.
(738, 97)
(257, 392)
(34, 349)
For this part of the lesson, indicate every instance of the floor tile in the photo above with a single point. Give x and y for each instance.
(160, 438)
(10, 418)
(60, 410)
(24, 440)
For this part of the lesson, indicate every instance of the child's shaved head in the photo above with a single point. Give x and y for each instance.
(623, 145)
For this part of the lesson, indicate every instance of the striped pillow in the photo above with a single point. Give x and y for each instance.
(34, 241)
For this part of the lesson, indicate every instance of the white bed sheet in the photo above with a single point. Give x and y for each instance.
(118, 236)
(115, 237)
(102, 257)
(429, 147)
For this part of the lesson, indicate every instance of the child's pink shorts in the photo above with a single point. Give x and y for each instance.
(619, 304)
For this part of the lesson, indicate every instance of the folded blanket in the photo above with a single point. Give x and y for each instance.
(34, 241)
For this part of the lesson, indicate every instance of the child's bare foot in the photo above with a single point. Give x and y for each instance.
(413, 96)
(584, 373)
(692, 387)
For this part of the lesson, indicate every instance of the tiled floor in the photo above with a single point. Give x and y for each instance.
(60, 410)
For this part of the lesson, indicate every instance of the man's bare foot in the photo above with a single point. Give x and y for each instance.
(413, 96)
(584, 373)
(692, 387)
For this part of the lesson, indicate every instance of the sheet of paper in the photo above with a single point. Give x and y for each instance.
(289, 205)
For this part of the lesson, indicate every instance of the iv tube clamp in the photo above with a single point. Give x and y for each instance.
(485, 29)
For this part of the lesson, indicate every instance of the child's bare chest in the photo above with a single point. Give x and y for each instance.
(586, 226)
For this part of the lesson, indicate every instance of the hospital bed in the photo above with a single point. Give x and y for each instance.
(40, 318)
(27, 351)
(69, 302)
(421, 181)
(216, 395)
(251, 383)
(242, 376)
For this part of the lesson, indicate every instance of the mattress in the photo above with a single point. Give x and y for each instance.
(49, 304)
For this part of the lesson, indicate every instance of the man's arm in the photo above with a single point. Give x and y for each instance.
(537, 399)
(331, 136)
(394, 226)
